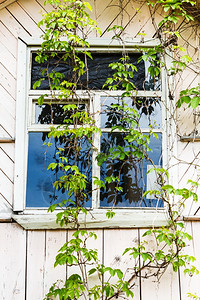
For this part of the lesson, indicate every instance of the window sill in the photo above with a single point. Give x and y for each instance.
(124, 218)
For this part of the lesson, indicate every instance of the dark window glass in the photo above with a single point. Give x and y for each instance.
(98, 71)
(54, 113)
(133, 174)
(149, 110)
(40, 191)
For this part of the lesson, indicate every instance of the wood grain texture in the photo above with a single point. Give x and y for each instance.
(24, 19)
(33, 252)
(115, 242)
(32, 9)
(5, 209)
(97, 219)
(6, 187)
(54, 240)
(36, 260)
(8, 60)
(7, 165)
(91, 244)
(4, 3)
(8, 40)
(8, 81)
(188, 168)
(4, 133)
(12, 24)
(9, 149)
(42, 248)
(12, 261)
(167, 287)
(46, 8)
(7, 120)
(189, 282)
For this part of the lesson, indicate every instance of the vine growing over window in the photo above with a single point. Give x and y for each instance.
(67, 28)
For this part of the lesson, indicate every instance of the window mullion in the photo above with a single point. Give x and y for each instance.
(95, 111)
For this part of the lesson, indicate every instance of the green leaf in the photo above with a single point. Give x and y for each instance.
(135, 254)
(195, 102)
(52, 166)
(110, 214)
(180, 224)
(146, 256)
(168, 188)
(92, 271)
(148, 232)
(37, 84)
(185, 99)
(126, 250)
(112, 272)
(119, 273)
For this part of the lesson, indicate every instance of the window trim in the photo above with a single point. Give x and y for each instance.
(31, 218)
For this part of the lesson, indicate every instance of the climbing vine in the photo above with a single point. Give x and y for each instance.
(65, 42)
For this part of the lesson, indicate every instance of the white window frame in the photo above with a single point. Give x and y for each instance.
(31, 218)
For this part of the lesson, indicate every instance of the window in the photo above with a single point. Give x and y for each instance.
(34, 184)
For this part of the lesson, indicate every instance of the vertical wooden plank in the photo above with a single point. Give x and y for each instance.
(54, 240)
(91, 244)
(167, 288)
(189, 156)
(12, 262)
(189, 282)
(95, 245)
(36, 259)
(115, 242)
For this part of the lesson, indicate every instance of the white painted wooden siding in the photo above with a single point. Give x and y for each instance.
(27, 257)
(27, 263)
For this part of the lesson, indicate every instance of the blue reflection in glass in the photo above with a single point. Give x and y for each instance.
(149, 110)
(40, 191)
(55, 113)
(133, 173)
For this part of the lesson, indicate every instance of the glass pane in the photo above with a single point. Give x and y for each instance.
(54, 113)
(149, 110)
(98, 71)
(40, 191)
(132, 172)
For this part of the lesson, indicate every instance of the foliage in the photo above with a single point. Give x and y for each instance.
(66, 31)
(190, 97)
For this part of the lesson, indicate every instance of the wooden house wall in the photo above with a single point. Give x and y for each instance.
(27, 257)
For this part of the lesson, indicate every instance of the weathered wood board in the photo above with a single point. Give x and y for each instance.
(27, 257)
